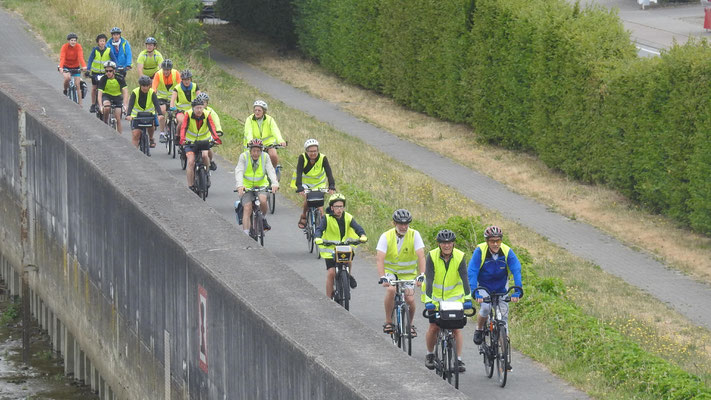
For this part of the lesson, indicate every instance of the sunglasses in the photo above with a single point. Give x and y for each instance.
(108, 70)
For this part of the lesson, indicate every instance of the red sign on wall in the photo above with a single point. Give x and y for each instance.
(202, 326)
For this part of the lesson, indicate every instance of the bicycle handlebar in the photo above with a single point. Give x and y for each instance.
(347, 242)
(322, 190)
(505, 295)
(265, 189)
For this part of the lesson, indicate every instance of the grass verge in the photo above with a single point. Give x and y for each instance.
(579, 321)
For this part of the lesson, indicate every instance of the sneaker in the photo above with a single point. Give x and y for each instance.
(478, 336)
(65, 92)
(266, 225)
(430, 361)
(92, 109)
(352, 282)
(461, 366)
(213, 166)
(162, 138)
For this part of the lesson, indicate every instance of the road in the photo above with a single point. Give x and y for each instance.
(529, 379)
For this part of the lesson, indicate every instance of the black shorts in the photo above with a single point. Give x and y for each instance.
(95, 78)
(116, 101)
(331, 262)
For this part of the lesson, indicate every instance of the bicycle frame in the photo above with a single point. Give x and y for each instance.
(401, 335)
(343, 255)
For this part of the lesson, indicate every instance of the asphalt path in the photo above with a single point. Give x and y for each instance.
(529, 379)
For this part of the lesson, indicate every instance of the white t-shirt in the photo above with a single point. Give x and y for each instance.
(383, 243)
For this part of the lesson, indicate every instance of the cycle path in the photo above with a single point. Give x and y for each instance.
(689, 297)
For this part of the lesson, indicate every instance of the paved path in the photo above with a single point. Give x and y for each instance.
(529, 380)
(689, 297)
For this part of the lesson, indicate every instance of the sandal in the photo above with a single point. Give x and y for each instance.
(302, 222)
(413, 331)
(388, 328)
(153, 143)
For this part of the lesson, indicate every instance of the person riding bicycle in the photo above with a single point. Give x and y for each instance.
(259, 125)
(183, 95)
(98, 57)
(163, 84)
(252, 171)
(202, 96)
(197, 126)
(312, 172)
(400, 254)
(443, 285)
(121, 51)
(149, 60)
(143, 99)
(112, 90)
(71, 63)
(336, 225)
(489, 267)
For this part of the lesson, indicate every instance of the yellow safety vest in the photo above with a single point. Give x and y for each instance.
(254, 178)
(192, 133)
(333, 233)
(447, 284)
(316, 177)
(150, 107)
(182, 101)
(268, 132)
(404, 263)
(484, 247)
(97, 64)
(162, 90)
(151, 64)
(112, 87)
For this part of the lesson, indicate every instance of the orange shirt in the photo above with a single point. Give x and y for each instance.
(71, 56)
(168, 80)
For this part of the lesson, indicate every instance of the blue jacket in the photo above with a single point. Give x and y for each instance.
(494, 274)
(123, 56)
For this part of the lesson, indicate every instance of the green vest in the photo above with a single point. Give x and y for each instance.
(254, 178)
(485, 247)
(265, 133)
(150, 107)
(163, 91)
(194, 134)
(151, 64)
(403, 264)
(215, 118)
(315, 178)
(97, 64)
(333, 233)
(182, 102)
(112, 87)
(447, 284)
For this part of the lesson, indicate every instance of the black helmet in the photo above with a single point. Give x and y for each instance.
(115, 29)
(72, 36)
(202, 96)
(445, 235)
(101, 36)
(151, 40)
(167, 64)
(402, 216)
(144, 80)
(493, 231)
(186, 74)
(197, 102)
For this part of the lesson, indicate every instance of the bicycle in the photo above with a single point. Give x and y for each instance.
(402, 334)
(201, 181)
(450, 316)
(72, 91)
(314, 200)
(343, 254)
(271, 198)
(144, 120)
(171, 124)
(256, 219)
(496, 345)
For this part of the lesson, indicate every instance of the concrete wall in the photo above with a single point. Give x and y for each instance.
(123, 252)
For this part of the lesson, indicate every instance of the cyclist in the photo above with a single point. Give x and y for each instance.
(443, 285)
(252, 171)
(197, 126)
(400, 254)
(336, 225)
(121, 50)
(98, 57)
(71, 62)
(183, 95)
(262, 126)
(310, 170)
(112, 90)
(149, 60)
(163, 84)
(489, 267)
(143, 99)
(202, 96)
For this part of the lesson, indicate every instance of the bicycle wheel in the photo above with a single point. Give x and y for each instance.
(346, 290)
(440, 356)
(396, 336)
(173, 136)
(455, 364)
(112, 121)
(72, 93)
(183, 159)
(449, 366)
(487, 349)
(502, 345)
(203, 183)
(314, 224)
(309, 231)
(406, 326)
(271, 201)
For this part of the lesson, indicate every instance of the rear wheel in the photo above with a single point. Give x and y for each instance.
(502, 355)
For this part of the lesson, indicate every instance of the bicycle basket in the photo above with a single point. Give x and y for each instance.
(145, 119)
(201, 145)
(451, 315)
(315, 199)
(344, 253)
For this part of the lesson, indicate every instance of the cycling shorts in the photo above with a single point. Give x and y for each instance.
(72, 71)
(117, 101)
(95, 78)
(164, 102)
(248, 197)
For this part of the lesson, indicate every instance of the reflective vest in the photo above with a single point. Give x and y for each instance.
(97, 64)
(112, 87)
(194, 134)
(151, 63)
(333, 233)
(315, 178)
(182, 101)
(447, 284)
(215, 118)
(254, 178)
(150, 107)
(404, 263)
(163, 91)
(253, 131)
(484, 247)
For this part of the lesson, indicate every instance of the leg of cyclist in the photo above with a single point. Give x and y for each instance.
(264, 206)
(481, 318)
(117, 114)
(107, 109)
(330, 276)
(273, 155)
(389, 303)
(430, 340)
(77, 84)
(410, 300)
(67, 77)
(459, 337)
(161, 118)
(246, 212)
(136, 137)
(179, 117)
(190, 169)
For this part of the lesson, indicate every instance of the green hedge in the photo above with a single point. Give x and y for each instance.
(273, 18)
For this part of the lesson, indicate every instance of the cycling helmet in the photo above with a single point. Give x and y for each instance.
(310, 142)
(72, 36)
(167, 64)
(260, 103)
(197, 102)
(202, 96)
(144, 80)
(151, 40)
(445, 235)
(115, 29)
(101, 36)
(493, 231)
(110, 64)
(186, 74)
(255, 143)
(336, 197)
(402, 216)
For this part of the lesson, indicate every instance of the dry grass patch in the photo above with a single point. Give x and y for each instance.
(601, 207)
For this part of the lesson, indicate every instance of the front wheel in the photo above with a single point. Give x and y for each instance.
(183, 159)
(486, 349)
(395, 336)
(503, 355)
(202, 183)
(455, 363)
(271, 201)
(309, 231)
(314, 223)
(345, 292)
(406, 326)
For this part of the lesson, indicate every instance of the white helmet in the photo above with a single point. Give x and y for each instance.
(260, 103)
(310, 142)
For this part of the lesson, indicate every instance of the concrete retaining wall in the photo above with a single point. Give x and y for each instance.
(155, 295)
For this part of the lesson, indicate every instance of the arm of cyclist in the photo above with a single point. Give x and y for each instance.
(131, 103)
(515, 268)
(277, 133)
(429, 279)
(183, 129)
(380, 250)
(216, 118)
(465, 283)
(247, 130)
(473, 273)
(359, 230)
(299, 174)
(319, 230)
(213, 129)
(329, 175)
(271, 173)
(173, 98)
(239, 174)
(80, 51)
(159, 111)
(129, 56)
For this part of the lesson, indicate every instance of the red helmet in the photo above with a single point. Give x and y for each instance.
(493, 231)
